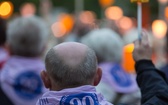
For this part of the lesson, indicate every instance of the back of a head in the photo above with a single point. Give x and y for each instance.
(106, 43)
(2, 31)
(71, 64)
(27, 36)
(130, 36)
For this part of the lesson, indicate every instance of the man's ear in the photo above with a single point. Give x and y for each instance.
(98, 76)
(46, 79)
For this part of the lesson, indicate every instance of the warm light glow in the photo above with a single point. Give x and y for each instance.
(114, 13)
(6, 9)
(28, 9)
(106, 3)
(87, 17)
(159, 28)
(58, 29)
(129, 48)
(63, 25)
(163, 1)
(128, 62)
(125, 23)
(68, 21)
(166, 13)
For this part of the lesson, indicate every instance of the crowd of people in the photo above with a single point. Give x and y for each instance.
(84, 69)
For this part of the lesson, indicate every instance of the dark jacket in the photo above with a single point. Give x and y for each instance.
(4, 100)
(152, 82)
(165, 70)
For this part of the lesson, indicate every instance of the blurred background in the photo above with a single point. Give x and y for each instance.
(151, 8)
(72, 20)
(97, 10)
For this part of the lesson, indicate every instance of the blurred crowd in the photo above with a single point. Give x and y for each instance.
(25, 39)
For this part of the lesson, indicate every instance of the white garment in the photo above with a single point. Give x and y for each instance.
(3, 56)
(115, 80)
(84, 95)
(20, 80)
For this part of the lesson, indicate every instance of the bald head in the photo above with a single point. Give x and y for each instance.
(71, 64)
(71, 53)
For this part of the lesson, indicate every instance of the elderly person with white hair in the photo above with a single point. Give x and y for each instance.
(116, 85)
(20, 76)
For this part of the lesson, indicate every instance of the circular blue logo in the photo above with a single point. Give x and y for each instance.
(28, 85)
(120, 76)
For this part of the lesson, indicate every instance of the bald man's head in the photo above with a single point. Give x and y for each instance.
(71, 64)
(71, 53)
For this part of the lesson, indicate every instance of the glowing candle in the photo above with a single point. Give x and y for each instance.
(127, 61)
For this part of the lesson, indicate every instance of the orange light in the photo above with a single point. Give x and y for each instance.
(58, 29)
(63, 25)
(106, 3)
(159, 28)
(113, 13)
(166, 13)
(6, 9)
(128, 62)
(68, 21)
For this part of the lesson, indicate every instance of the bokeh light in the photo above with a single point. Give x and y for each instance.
(166, 13)
(6, 9)
(63, 26)
(87, 17)
(113, 13)
(125, 23)
(106, 3)
(159, 28)
(67, 20)
(128, 61)
(28, 9)
(58, 29)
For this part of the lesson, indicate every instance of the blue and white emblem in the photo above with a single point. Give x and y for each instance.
(28, 85)
(120, 76)
(80, 99)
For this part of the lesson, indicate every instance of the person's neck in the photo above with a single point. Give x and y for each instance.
(58, 88)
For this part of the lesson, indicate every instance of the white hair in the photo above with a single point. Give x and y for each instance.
(27, 36)
(130, 36)
(106, 43)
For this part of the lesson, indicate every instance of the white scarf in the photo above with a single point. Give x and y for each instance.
(20, 80)
(84, 95)
(3, 56)
(115, 76)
